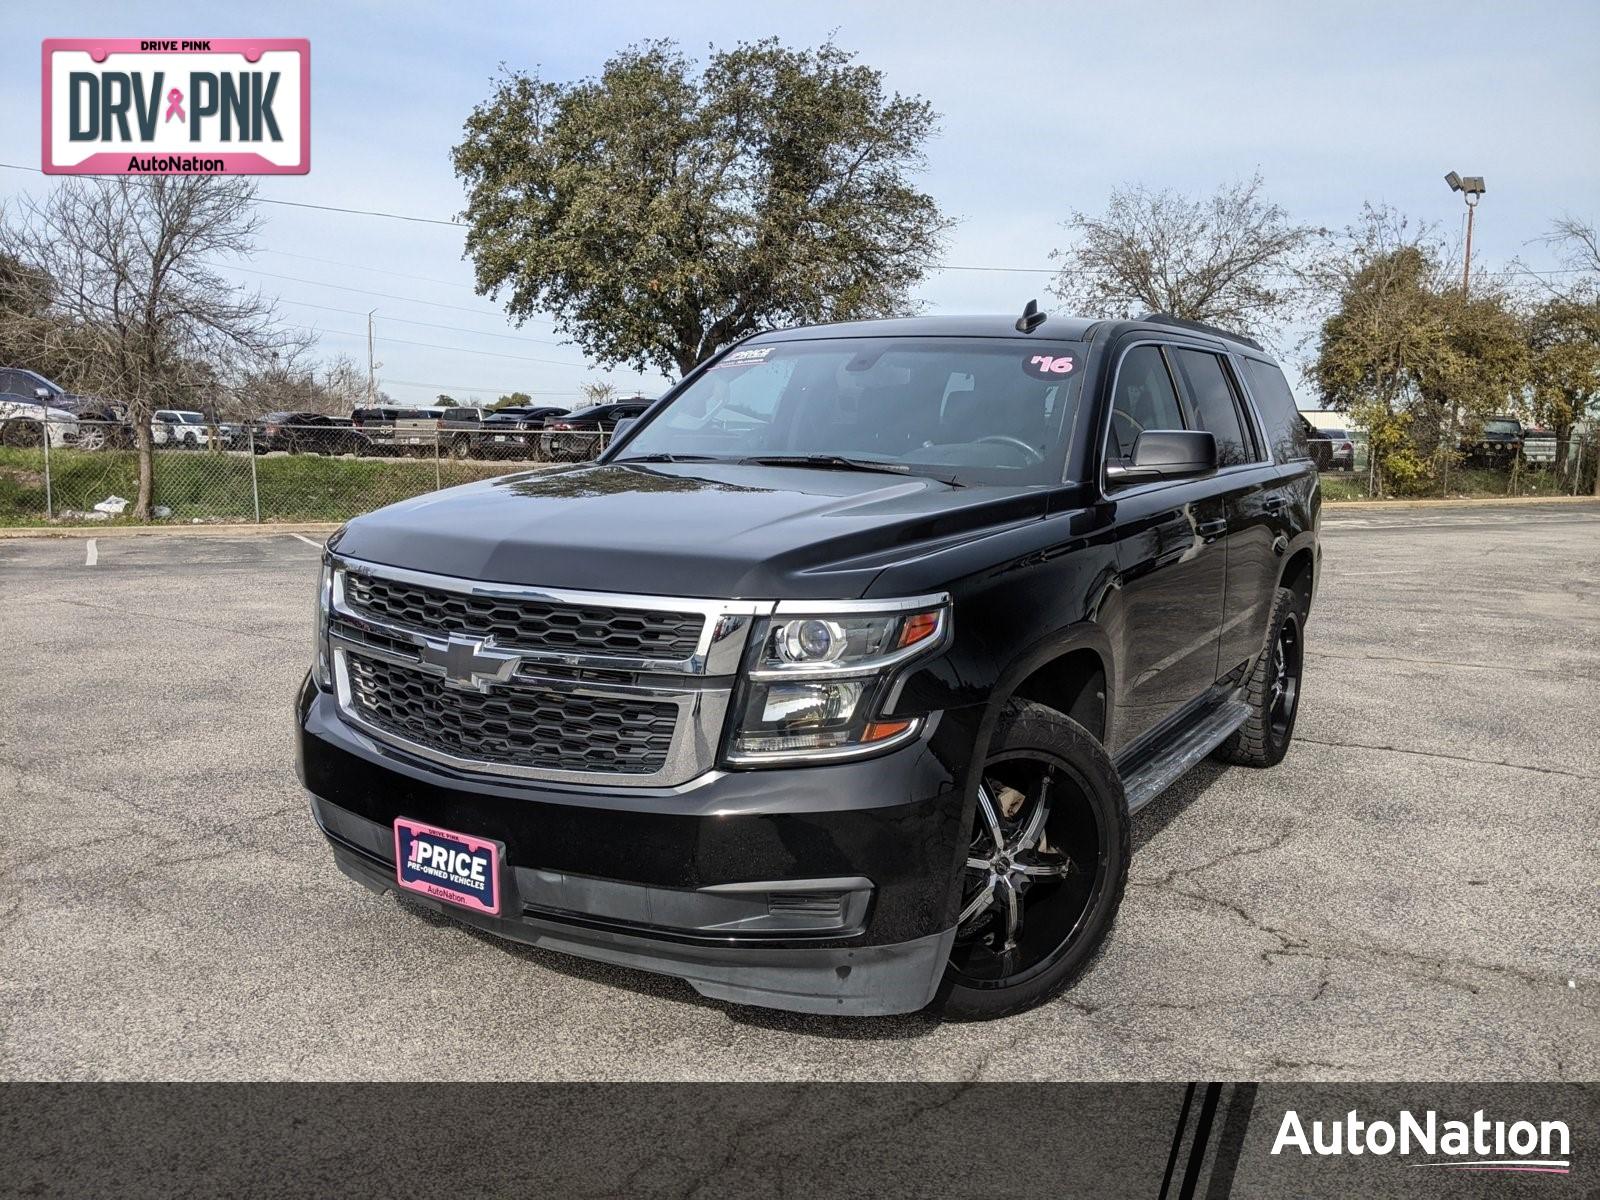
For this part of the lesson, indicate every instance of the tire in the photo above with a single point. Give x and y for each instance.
(1066, 883)
(22, 432)
(1273, 693)
(459, 448)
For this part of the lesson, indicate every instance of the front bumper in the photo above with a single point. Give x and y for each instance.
(825, 889)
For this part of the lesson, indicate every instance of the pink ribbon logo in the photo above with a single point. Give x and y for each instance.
(175, 105)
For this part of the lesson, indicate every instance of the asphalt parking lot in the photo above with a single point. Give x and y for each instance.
(1413, 894)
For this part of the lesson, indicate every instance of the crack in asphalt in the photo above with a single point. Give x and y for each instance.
(1292, 945)
(255, 633)
(1465, 758)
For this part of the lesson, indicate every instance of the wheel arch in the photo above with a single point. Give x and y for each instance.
(1066, 668)
(1299, 575)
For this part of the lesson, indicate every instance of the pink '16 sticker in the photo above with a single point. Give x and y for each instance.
(1045, 365)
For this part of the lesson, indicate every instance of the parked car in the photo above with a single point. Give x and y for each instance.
(32, 408)
(1497, 443)
(512, 432)
(308, 433)
(579, 435)
(832, 685)
(179, 429)
(1538, 446)
(1332, 449)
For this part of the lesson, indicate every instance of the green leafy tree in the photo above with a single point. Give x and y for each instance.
(1411, 357)
(445, 400)
(513, 400)
(1564, 343)
(660, 212)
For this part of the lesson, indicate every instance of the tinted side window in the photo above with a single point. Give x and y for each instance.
(1144, 399)
(11, 383)
(1286, 429)
(1212, 394)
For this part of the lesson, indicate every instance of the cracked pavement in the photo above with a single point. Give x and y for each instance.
(1412, 894)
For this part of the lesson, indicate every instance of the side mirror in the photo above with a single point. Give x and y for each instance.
(1163, 454)
(42, 395)
(622, 426)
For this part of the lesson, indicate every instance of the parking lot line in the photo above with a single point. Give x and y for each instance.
(91, 554)
(307, 541)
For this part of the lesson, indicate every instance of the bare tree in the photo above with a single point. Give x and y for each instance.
(1576, 245)
(130, 268)
(598, 391)
(1575, 242)
(1230, 259)
(294, 383)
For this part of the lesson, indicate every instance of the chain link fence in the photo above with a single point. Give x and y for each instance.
(88, 471)
(1537, 466)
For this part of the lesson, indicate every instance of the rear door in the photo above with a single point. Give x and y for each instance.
(1284, 512)
(1243, 480)
(1170, 554)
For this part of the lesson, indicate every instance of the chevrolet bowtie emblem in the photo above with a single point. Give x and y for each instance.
(469, 663)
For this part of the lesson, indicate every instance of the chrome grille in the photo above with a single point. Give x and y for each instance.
(535, 683)
(522, 726)
(525, 623)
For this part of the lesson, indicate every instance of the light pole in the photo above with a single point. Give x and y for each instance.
(1471, 188)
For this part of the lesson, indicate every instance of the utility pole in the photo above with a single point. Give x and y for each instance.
(1471, 189)
(372, 378)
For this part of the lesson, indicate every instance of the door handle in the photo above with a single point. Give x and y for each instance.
(1211, 529)
(1274, 504)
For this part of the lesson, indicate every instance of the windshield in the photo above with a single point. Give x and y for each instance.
(1502, 427)
(191, 418)
(975, 410)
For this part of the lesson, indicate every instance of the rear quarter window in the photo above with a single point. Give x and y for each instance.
(1285, 428)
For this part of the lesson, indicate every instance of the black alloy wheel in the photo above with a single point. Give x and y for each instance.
(1045, 868)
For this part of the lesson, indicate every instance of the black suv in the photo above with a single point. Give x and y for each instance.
(833, 684)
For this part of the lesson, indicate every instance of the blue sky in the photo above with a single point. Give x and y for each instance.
(1046, 108)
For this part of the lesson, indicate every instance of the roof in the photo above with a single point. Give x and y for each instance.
(986, 326)
(994, 325)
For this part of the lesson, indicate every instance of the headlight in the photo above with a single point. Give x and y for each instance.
(321, 662)
(818, 682)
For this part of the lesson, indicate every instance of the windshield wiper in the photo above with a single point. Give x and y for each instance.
(670, 458)
(832, 462)
(840, 462)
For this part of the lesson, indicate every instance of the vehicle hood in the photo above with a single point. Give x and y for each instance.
(712, 530)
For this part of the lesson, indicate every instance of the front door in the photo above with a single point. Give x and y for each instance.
(1171, 555)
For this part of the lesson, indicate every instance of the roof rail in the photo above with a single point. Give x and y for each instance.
(1163, 318)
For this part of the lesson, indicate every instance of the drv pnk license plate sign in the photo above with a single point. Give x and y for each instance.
(177, 106)
(443, 865)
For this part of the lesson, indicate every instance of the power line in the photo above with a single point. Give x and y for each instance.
(548, 362)
(334, 262)
(361, 312)
(471, 387)
(341, 287)
(356, 212)
(370, 212)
